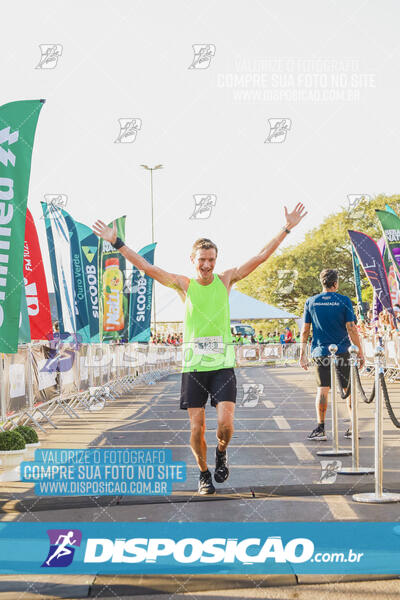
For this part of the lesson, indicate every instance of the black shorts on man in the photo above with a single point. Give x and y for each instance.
(323, 369)
(196, 386)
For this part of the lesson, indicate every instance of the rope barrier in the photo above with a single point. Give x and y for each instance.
(362, 391)
(343, 394)
(389, 408)
(346, 393)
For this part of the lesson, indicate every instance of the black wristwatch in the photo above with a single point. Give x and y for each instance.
(285, 229)
(118, 244)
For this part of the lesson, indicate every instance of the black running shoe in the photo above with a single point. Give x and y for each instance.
(206, 485)
(349, 434)
(221, 472)
(318, 434)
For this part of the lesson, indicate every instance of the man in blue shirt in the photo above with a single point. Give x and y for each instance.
(333, 322)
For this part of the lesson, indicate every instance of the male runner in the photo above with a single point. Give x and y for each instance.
(208, 351)
(333, 322)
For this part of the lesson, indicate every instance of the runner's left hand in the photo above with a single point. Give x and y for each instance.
(294, 218)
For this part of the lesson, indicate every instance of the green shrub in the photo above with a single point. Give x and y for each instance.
(28, 433)
(11, 440)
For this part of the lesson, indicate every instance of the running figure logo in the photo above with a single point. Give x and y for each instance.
(203, 205)
(278, 129)
(62, 542)
(251, 394)
(56, 202)
(50, 53)
(286, 281)
(357, 204)
(329, 470)
(203, 54)
(128, 129)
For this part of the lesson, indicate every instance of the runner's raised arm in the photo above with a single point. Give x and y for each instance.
(292, 219)
(109, 234)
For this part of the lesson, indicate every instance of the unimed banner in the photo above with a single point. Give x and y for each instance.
(371, 259)
(140, 302)
(18, 122)
(24, 332)
(37, 297)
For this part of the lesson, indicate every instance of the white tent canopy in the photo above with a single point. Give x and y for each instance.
(170, 308)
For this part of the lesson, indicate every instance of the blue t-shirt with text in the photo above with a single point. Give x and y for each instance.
(328, 313)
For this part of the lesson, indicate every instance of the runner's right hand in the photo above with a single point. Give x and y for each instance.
(106, 233)
(303, 362)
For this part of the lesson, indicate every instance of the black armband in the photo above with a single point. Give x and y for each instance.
(118, 244)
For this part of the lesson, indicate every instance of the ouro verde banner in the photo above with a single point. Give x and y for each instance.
(78, 278)
(18, 122)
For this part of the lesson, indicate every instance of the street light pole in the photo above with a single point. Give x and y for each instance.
(151, 169)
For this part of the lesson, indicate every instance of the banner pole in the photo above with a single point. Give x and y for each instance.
(90, 363)
(3, 390)
(30, 378)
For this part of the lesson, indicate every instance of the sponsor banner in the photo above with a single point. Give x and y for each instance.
(24, 332)
(61, 267)
(89, 244)
(141, 300)
(357, 282)
(371, 259)
(393, 278)
(37, 296)
(376, 307)
(390, 224)
(390, 209)
(113, 289)
(81, 311)
(18, 122)
(195, 548)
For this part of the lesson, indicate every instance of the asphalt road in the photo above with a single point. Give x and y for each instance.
(275, 472)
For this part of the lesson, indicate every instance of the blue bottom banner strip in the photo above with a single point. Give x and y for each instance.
(196, 548)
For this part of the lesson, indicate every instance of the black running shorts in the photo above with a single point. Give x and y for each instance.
(323, 369)
(198, 385)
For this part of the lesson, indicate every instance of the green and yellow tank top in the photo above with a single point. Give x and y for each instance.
(207, 339)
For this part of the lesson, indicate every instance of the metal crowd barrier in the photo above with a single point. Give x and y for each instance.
(35, 382)
(264, 354)
(39, 381)
(390, 359)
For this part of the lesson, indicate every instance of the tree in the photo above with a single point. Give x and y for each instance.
(292, 275)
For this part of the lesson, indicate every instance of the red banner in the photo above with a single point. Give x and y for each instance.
(37, 297)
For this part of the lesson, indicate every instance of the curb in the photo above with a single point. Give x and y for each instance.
(43, 503)
(70, 587)
(105, 586)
